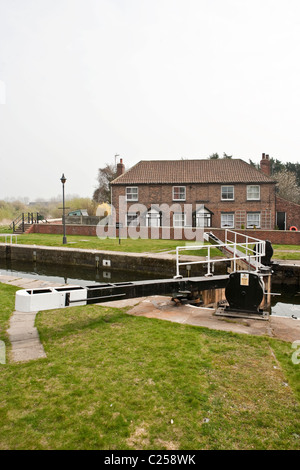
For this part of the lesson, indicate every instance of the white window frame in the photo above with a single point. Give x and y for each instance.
(132, 195)
(179, 219)
(203, 218)
(225, 224)
(153, 218)
(227, 198)
(135, 220)
(183, 198)
(250, 189)
(250, 224)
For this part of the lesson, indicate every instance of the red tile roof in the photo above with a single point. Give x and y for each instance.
(192, 171)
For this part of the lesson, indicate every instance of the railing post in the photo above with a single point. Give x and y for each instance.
(23, 222)
(177, 261)
(208, 261)
(234, 257)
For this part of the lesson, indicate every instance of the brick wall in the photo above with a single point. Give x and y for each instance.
(210, 196)
(87, 230)
(292, 211)
(284, 237)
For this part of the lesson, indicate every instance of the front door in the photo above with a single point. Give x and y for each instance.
(281, 217)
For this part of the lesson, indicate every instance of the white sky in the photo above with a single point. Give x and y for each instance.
(82, 80)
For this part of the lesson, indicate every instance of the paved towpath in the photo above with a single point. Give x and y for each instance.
(23, 335)
(284, 328)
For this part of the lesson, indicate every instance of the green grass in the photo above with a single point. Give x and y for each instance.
(113, 381)
(287, 252)
(135, 245)
(5, 229)
(109, 244)
(7, 303)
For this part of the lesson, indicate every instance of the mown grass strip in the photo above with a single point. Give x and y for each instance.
(114, 381)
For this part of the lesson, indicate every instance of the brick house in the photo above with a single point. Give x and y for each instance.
(287, 214)
(219, 193)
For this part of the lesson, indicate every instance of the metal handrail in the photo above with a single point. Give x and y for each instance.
(231, 247)
(15, 221)
(22, 217)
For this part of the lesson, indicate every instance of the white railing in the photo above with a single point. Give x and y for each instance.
(8, 236)
(236, 251)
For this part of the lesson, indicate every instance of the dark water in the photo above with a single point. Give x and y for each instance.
(285, 301)
(81, 276)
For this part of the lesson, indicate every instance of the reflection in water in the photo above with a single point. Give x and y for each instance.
(78, 275)
(287, 302)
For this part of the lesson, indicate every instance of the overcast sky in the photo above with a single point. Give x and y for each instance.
(83, 80)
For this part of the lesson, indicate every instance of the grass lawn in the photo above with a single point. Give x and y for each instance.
(113, 381)
(110, 244)
(135, 245)
(286, 252)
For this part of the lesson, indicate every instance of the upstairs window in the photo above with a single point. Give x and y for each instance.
(253, 192)
(132, 193)
(178, 193)
(227, 193)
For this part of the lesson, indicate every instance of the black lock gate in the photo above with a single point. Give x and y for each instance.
(244, 292)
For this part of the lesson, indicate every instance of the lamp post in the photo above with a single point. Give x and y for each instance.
(63, 179)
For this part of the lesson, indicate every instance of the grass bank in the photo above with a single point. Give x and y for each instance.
(128, 245)
(113, 381)
(135, 245)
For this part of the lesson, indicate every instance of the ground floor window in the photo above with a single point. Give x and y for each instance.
(253, 219)
(132, 219)
(179, 219)
(227, 220)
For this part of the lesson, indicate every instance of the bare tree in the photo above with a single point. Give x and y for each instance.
(286, 185)
(105, 176)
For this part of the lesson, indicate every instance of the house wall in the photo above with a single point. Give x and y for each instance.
(210, 196)
(292, 211)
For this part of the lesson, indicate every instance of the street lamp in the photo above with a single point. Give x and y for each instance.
(63, 179)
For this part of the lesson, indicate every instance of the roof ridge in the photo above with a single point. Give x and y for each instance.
(233, 170)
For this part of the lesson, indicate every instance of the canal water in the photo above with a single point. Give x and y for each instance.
(285, 299)
(78, 275)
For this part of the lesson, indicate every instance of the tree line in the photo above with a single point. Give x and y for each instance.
(287, 177)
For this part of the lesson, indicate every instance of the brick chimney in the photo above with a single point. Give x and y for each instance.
(120, 168)
(265, 164)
